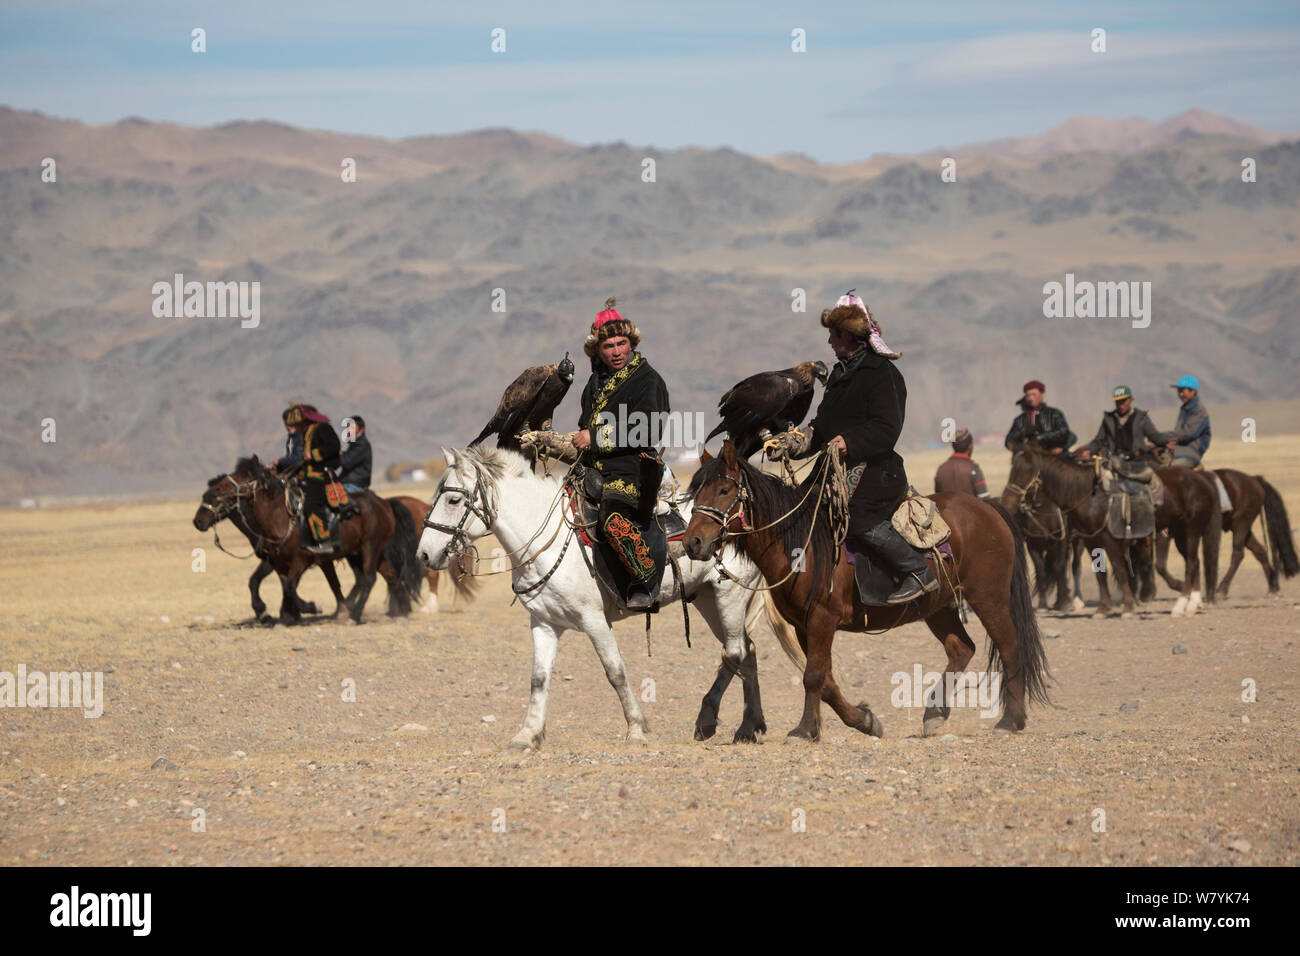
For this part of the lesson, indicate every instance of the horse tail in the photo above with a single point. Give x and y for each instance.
(1278, 524)
(785, 633)
(1030, 654)
(400, 552)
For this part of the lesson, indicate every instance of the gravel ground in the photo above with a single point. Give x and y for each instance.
(1149, 755)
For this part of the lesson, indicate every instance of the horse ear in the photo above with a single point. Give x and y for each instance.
(448, 458)
(729, 454)
(705, 457)
(255, 461)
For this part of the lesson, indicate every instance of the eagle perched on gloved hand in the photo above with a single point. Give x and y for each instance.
(529, 403)
(769, 401)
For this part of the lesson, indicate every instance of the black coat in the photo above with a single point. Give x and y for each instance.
(636, 392)
(1050, 429)
(865, 400)
(1125, 439)
(355, 463)
(321, 450)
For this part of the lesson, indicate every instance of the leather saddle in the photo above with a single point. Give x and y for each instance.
(1134, 491)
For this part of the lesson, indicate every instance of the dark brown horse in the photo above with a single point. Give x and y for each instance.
(1071, 485)
(735, 503)
(462, 577)
(259, 498)
(1190, 514)
(1250, 496)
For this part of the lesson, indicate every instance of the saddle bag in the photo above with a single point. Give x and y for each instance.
(918, 521)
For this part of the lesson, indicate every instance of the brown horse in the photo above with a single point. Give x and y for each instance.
(369, 535)
(1190, 514)
(462, 576)
(738, 504)
(1250, 496)
(1071, 485)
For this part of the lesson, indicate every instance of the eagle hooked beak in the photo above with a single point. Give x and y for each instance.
(823, 373)
(566, 368)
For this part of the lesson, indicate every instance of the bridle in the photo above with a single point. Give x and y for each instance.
(477, 503)
(244, 491)
(724, 518)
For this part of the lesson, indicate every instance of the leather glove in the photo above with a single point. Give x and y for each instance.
(792, 444)
(552, 444)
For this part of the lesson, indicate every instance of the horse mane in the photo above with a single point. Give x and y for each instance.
(771, 498)
(252, 466)
(1064, 480)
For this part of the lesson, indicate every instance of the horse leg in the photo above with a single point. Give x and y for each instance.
(332, 578)
(1162, 561)
(706, 722)
(290, 611)
(546, 640)
(255, 587)
(366, 579)
(1103, 585)
(1238, 553)
(1270, 571)
(996, 617)
(355, 563)
(816, 637)
(858, 717)
(1191, 596)
(946, 626)
(398, 604)
(1076, 565)
(431, 605)
(602, 638)
(1040, 574)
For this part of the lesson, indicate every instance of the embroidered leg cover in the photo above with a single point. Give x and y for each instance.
(619, 524)
(314, 511)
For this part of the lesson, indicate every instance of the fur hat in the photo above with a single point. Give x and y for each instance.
(609, 324)
(852, 317)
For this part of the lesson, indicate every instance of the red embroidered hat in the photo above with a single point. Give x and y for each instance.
(609, 324)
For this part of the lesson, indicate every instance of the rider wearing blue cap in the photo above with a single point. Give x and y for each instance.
(1192, 433)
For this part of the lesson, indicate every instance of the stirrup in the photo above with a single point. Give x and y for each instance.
(914, 586)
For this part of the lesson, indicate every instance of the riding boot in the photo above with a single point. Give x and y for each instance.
(903, 560)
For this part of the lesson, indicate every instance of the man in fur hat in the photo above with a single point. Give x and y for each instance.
(621, 407)
(861, 415)
(320, 455)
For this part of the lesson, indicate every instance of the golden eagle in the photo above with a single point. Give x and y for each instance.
(529, 403)
(775, 401)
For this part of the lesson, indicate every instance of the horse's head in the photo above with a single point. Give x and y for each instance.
(224, 492)
(464, 507)
(1023, 477)
(720, 493)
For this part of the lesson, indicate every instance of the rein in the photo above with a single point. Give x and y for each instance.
(246, 491)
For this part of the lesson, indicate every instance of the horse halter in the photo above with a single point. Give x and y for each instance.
(241, 491)
(725, 518)
(476, 503)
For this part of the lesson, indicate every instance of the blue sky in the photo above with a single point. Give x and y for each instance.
(877, 77)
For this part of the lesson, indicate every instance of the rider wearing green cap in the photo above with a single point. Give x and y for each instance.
(1191, 436)
(1123, 429)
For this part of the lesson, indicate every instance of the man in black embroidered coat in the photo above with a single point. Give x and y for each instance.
(623, 407)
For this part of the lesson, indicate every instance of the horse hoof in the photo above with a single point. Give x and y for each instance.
(799, 734)
(1127, 616)
(748, 735)
(1008, 726)
(1078, 604)
(704, 732)
(635, 736)
(932, 725)
(877, 728)
(522, 743)
(1099, 615)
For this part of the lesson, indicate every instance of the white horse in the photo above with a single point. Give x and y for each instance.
(495, 490)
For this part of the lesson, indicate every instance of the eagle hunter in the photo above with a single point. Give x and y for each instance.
(771, 401)
(529, 403)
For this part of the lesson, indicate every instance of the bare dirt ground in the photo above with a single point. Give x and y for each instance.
(1149, 733)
